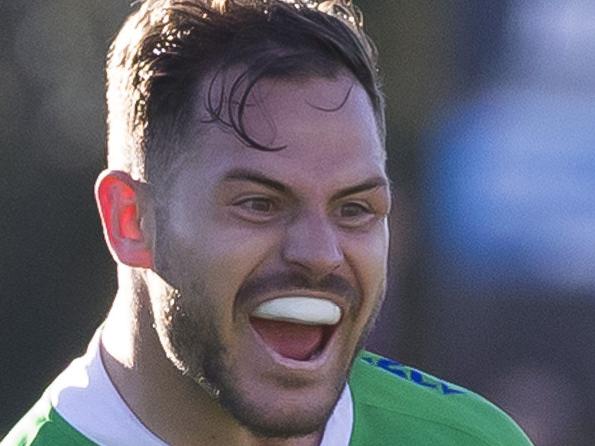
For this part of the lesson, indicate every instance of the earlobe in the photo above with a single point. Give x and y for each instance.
(123, 204)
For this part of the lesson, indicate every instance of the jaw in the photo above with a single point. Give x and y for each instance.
(261, 389)
(283, 405)
(272, 394)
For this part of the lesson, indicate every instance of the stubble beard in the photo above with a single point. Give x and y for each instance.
(193, 343)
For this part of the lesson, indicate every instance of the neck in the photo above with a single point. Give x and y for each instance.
(168, 403)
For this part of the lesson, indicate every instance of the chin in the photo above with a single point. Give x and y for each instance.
(273, 408)
(276, 419)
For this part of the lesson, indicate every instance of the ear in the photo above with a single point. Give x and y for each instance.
(126, 211)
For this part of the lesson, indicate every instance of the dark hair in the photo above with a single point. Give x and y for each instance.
(166, 49)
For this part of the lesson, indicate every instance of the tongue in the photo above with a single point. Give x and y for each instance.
(295, 341)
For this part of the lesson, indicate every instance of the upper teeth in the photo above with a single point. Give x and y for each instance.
(304, 310)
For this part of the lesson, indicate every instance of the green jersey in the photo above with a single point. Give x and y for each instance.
(397, 405)
(390, 404)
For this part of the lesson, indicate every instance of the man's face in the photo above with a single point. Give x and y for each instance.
(240, 230)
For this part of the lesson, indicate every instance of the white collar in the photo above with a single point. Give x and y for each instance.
(85, 397)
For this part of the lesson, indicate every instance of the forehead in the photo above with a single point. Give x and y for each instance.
(326, 128)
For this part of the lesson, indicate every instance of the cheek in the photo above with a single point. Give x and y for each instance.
(367, 256)
(218, 256)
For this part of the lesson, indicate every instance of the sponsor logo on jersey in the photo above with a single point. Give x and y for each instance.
(412, 375)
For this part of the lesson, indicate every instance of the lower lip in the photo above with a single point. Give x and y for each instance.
(317, 361)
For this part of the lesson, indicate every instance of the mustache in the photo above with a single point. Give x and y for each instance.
(287, 280)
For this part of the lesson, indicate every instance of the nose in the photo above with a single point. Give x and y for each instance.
(311, 243)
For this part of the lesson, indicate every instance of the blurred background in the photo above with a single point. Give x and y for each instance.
(492, 149)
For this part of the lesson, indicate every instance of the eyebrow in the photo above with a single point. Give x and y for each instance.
(259, 178)
(370, 184)
(254, 177)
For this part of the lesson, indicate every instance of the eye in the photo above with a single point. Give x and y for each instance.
(256, 209)
(259, 205)
(354, 210)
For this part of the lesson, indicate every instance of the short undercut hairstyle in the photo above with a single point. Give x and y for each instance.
(169, 50)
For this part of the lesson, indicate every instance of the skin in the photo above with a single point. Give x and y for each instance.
(231, 228)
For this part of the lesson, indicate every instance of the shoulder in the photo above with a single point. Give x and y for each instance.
(43, 426)
(394, 402)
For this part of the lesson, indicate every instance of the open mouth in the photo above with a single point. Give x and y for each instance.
(296, 328)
